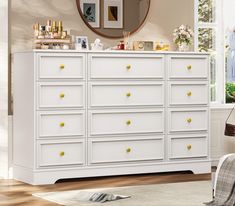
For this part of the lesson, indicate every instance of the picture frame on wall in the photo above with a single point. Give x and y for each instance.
(113, 14)
(81, 43)
(91, 12)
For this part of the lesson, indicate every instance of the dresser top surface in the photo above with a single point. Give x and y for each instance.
(112, 52)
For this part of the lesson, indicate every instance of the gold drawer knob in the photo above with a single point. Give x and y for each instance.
(189, 94)
(62, 66)
(189, 146)
(189, 67)
(128, 94)
(62, 95)
(62, 124)
(128, 67)
(128, 122)
(189, 120)
(62, 154)
(128, 150)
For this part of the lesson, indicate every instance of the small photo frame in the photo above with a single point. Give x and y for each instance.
(113, 14)
(81, 43)
(91, 12)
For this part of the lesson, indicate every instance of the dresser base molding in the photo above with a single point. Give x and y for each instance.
(50, 176)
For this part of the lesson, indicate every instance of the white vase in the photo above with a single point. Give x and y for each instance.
(183, 47)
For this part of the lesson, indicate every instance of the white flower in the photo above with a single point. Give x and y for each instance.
(182, 34)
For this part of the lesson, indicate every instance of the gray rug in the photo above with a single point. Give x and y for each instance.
(173, 194)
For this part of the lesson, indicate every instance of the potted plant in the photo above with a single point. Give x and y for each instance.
(230, 92)
(183, 36)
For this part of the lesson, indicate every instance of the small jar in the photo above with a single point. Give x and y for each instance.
(56, 47)
(65, 47)
(121, 45)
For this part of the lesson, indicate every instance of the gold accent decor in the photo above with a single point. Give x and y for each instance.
(189, 94)
(189, 67)
(62, 154)
(128, 122)
(62, 95)
(128, 94)
(62, 66)
(62, 124)
(189, 120)
(128, 150)
(189, 146)
(128, 67)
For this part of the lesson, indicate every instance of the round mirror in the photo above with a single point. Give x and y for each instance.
(109, 18)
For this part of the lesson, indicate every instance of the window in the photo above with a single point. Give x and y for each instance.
(229, 49)
(208, 39)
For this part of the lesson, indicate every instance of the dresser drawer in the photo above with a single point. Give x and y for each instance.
(126, 66)
(126, 94)
(61, 95)
(126, 122)
(188, 67)
(52, 153)
(61, 124)
(188, 93)
(185, 120)
(105, 151)
(188, 147)
(69, 66)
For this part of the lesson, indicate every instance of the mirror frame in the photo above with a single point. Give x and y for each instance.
(108, 36)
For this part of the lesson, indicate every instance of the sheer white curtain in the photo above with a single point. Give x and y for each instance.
(4, 63)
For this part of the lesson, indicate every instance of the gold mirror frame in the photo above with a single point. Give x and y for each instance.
(109, 36)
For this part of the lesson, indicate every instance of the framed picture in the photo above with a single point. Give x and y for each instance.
(91, 12)
(113, 14)
(81, 43)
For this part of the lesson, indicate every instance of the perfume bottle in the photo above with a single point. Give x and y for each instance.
(49, 30)
(42, 32)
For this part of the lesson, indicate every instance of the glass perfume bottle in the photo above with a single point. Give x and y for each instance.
(127, 43)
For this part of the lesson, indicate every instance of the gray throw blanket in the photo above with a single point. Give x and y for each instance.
(225, 186)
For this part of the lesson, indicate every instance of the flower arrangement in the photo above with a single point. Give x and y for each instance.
(183, 35)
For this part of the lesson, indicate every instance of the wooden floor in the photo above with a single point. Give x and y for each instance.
(15, 193)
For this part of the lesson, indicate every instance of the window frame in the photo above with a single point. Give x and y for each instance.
(217, 26)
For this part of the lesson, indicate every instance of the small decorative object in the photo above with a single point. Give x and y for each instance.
(97, 45)
(121, 45)
(160, 46)
(113, 14)
(143, 45)
(183, 37)
(81, 43)
(91, 12)
(126, 36)
(51, 36)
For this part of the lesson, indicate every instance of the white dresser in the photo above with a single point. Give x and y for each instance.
(84, 114)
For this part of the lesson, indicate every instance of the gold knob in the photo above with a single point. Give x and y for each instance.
(62, 124)
(189, 94)
(128, 150)
(189, 67)
(62, 154)
(189, 146)
(62, 95)
(128, 94)
(189, 120)
(128, 66)
(62, 66)
(128, 122)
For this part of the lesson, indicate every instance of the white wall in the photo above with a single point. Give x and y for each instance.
(4, 88)
(164, 16)
(220, 143)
